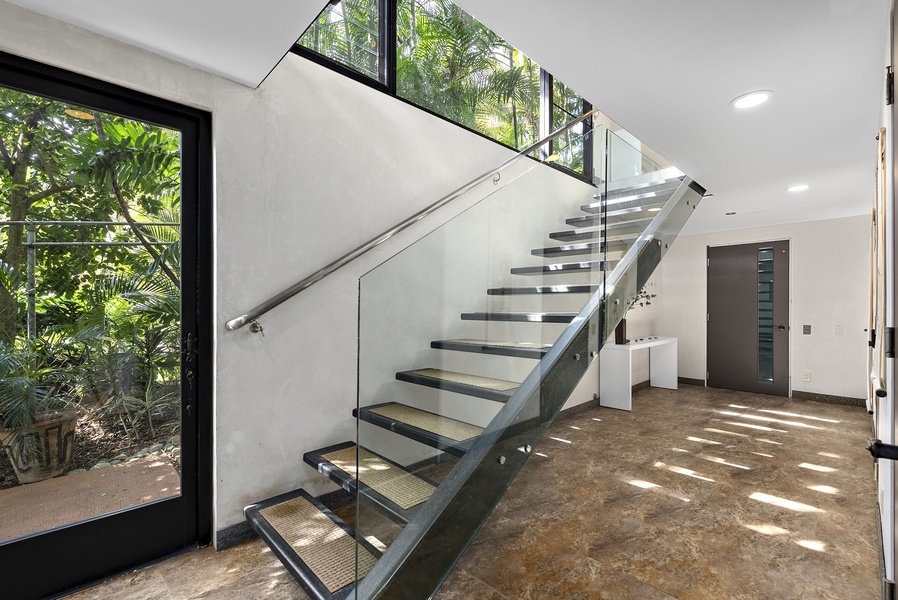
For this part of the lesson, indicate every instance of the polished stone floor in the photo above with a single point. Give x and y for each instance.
(695, 494)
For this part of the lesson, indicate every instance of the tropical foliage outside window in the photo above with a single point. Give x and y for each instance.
(453, 65)
(89, 296)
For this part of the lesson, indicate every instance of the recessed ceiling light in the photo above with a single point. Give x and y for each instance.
(730, 213)
(79, 114)
(751, 99)
(800, 187)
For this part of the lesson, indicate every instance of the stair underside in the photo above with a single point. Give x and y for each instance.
(559, 317)
(544, 289)
(449, 435)
(315, 546)
(498, 390)
(516, 349)
(386, 483)
(575, 267)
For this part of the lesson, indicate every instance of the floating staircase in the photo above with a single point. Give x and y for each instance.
(317, 547)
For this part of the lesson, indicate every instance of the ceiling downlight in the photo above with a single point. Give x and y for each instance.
(751, 99)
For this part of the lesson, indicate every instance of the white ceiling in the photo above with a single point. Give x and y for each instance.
(236, 39)
(664, 70)
(667, 72)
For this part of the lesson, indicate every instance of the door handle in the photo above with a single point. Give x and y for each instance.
(781, 327)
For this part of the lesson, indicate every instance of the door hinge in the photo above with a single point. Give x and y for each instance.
(709, 317)
(890, 86)
(709, 262)
(188, 350)
(888, 342)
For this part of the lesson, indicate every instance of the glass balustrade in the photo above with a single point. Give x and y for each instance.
(473, 338)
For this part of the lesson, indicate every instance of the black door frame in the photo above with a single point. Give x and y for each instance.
(50, 563)
(734, 336)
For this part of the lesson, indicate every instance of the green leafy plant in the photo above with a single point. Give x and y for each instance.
(29, 386)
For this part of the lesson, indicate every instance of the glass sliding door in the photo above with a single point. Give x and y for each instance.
(100, 293)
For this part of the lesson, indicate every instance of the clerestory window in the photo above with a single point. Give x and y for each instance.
(433, 54)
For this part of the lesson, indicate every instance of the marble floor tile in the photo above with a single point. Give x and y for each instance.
(697, 494)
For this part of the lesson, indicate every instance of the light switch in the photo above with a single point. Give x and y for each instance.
(806, 329)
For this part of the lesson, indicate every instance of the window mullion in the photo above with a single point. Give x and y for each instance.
(387, 43)
(545, 112)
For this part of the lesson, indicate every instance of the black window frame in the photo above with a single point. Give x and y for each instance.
(386, 83)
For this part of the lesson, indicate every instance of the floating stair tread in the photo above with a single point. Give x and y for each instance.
(315, 546)
(518, 349)
(545, 289)
(641, 188)
(599, 231)
(498, 390)
(457, 431)
(559, 317)
(625, 215)
(592, 265)
(631, 198)
(384, 477)
(584, 248)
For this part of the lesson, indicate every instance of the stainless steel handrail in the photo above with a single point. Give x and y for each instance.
(347, 258)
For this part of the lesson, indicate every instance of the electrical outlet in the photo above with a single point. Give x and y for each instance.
(806, 329)
(837, 329)
(806, 375)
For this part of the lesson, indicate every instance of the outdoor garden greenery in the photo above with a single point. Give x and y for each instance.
(451, 64)
(103, 333)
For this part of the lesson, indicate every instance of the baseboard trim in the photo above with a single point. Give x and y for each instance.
(233, 535)
(826, 398)
(691, 381)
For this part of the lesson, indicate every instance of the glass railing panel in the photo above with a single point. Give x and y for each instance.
(473, 338)
(450, 327)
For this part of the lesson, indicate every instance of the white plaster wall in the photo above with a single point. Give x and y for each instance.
(417, 297)
(306, 167)
(829, 273)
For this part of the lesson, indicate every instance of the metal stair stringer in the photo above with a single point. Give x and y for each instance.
(418, 561)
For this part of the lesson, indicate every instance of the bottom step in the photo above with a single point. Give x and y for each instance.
(315, 546)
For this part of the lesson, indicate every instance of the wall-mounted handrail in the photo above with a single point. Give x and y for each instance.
(347, 258)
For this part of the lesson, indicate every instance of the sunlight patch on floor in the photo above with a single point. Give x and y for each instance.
(768, 419)
(818, 468)
(723, 431)
(703, 441)
(682, 471)
(767, 529)
(758, 427)
(829, 455)
(784, 503)
(815, 545)
(796, 415)
(720, 461)
(825, 489)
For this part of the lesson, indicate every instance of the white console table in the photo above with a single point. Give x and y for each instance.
(616, 369)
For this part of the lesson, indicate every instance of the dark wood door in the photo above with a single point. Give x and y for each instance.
(748, 317)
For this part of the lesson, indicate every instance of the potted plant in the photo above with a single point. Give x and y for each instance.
(37, 421)
(642, 298)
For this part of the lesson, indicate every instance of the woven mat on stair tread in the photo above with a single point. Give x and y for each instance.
(490, 344)
(328, 550)
(387, 479)
(499, 385)
(444, 426)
